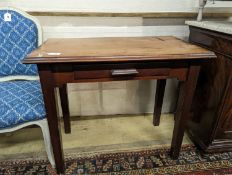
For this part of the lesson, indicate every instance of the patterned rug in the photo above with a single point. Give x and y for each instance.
(146, 162)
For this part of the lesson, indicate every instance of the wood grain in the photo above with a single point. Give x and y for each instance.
(187, 89)
(48, 88)
(65, 108)
(211, 124)
(116, 50)
(159, 96)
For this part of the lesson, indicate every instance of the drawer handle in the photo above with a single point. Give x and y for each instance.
(119, 72)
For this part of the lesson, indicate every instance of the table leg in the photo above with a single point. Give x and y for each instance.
(65, 108)
(48, 89)
(187, 89)
(160, 89)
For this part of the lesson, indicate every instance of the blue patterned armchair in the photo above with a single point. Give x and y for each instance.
(21, 98)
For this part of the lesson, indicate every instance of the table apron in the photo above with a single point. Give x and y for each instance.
(81, 76)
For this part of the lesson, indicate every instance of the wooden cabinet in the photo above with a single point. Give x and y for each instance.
(210, 126)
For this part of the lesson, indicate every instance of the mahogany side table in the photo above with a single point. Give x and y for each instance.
(62, 61)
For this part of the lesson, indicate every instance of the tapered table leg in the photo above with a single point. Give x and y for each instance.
(187, 89)
(65, 108)
(160, 89)
(48, 89)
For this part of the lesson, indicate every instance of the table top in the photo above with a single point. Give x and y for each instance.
(117, 49)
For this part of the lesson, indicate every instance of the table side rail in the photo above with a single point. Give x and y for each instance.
(75, 73)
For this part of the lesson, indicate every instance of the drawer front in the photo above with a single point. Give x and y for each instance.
(78, 73)
(117, 73)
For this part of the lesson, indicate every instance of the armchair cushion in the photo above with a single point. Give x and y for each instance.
(20, 102)
(18, 38)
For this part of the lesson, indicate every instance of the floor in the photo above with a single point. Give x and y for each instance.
(93, 134)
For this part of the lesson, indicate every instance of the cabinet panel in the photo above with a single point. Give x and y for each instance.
(208, 98)
(210, 126)
(225, 124)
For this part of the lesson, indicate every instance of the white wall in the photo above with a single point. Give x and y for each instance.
(127, 97)
(111, 5)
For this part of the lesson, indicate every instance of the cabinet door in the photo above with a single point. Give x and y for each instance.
(224, 130)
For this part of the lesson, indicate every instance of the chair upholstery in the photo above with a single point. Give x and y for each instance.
(17, 38)
(20, 102)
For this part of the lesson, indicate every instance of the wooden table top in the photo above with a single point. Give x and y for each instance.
(118, 49)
